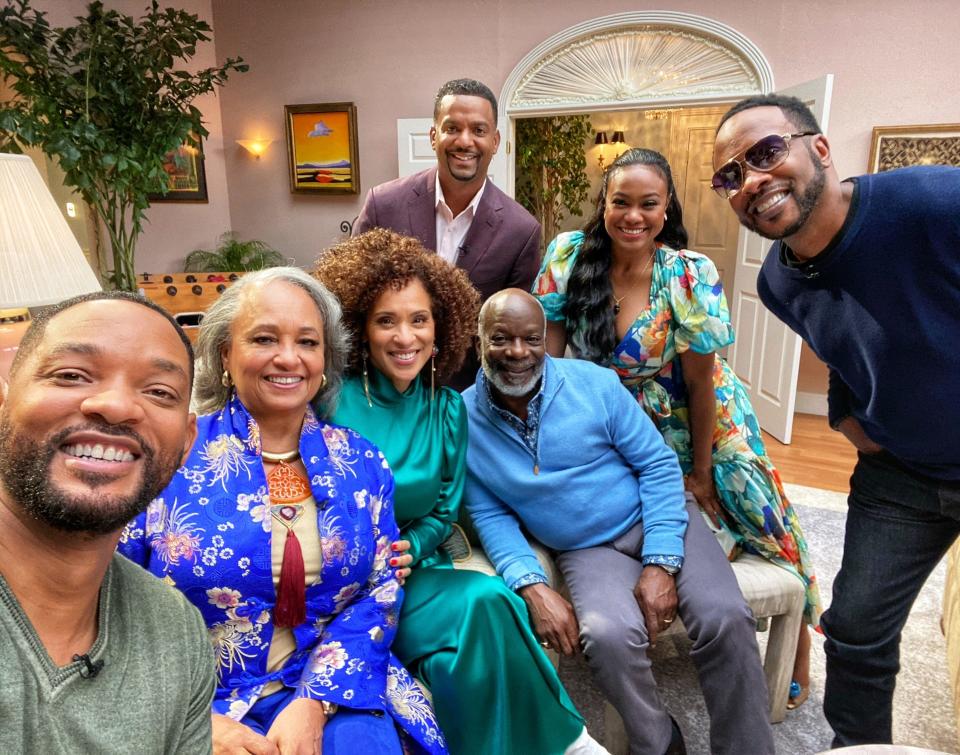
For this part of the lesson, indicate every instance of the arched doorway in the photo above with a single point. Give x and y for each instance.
(642, 59)
(662, 77)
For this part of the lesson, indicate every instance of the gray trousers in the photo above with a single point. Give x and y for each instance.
(614, 636)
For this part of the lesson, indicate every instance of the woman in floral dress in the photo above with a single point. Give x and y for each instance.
(279, 528)
(625, 293)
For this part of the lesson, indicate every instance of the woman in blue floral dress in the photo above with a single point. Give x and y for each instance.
(625, 293)
(280, 529)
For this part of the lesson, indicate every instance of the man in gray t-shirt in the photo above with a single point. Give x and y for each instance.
(97, 655)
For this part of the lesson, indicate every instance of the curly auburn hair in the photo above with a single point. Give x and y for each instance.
(359, 269)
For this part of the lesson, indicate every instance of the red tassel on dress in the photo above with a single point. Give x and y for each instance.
(288, 488)
(291, 608)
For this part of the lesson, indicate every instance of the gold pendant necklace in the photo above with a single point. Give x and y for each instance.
(618, 299)
(277, 458)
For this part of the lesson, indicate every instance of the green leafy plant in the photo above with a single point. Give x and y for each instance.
(552, 168)
(104, 99)
(233, 255)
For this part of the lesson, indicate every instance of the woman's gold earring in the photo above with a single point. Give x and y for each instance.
(366, 381)
(433, 370)
(225, 379)
(323, 381)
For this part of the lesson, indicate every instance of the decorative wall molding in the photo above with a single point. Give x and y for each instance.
(634, 58)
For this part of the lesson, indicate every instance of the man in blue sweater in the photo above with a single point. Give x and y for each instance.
(867, 271)
(560, 448)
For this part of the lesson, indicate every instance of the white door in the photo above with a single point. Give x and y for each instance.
(766, 354)
(712, 228)
(414, 152)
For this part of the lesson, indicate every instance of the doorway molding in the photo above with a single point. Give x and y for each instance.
(640, 59)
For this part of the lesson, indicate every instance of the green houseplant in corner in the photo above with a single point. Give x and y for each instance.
(103, 97)
(234, 256)
(552, 168)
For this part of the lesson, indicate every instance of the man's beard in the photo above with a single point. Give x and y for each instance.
(806, 202)
(25, 470)
(492, 373)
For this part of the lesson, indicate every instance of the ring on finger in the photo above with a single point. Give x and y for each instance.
(668, 621)
(544, 643)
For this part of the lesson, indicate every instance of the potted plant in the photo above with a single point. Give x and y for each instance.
(104, 98)
(233, 255)
(552, 168)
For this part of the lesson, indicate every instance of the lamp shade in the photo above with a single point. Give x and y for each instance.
(40, 260)
(601, 138)
(618, 137)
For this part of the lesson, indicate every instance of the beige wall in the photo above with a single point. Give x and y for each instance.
(173, 229)
(893, 64)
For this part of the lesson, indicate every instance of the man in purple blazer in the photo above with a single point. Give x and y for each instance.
(454, 209)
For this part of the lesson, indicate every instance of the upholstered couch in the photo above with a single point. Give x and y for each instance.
(775, 596)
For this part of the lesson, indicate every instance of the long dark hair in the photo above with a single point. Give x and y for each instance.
(589, 291)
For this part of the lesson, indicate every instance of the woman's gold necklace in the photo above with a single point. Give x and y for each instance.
(618, 299)
(286, 456)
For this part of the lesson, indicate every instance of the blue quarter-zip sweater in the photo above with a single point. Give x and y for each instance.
(603, 467)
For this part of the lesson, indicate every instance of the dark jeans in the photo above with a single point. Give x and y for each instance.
(899, 525)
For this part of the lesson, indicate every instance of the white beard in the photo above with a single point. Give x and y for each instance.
(511, 389)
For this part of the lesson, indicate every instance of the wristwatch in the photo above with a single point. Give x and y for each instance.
(671, 570)
(329, 708)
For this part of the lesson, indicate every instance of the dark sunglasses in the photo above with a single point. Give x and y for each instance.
(764, 155)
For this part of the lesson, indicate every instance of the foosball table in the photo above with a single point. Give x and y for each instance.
(185, 296)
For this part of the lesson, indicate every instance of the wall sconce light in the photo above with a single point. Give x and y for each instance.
(255, 147)
(617, 138)
(600, 140)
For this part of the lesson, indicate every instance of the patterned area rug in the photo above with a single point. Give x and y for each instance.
(923, 711)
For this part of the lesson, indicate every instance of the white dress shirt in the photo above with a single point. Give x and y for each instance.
(452, 230)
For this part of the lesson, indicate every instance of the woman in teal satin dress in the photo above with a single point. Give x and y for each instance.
(463, 633)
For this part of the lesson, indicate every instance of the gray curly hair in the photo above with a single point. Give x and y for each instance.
(210, 394)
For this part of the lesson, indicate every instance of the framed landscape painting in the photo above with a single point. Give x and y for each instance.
(322, 148)
(186, 178)
(902, 146)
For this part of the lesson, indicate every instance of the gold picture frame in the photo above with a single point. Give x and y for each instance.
(902, 146)
(186, 175)
(322, 148)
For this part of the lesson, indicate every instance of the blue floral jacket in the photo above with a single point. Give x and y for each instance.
(208, 534)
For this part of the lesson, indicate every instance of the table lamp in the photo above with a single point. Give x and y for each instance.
(41, 262)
